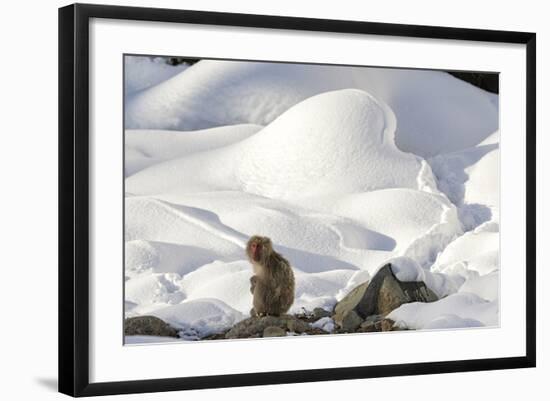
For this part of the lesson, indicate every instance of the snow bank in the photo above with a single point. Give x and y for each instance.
(420, 223)
(143, 148)
(162, 257)
(199, 318)
(325, 323)
(144, 72)
(313, 240)
(215, 93)
(155, 220)
(228, 282)
(333, 143)
(477, 250)
(470, 179)
(319, 290)
(487, 286)
(153, 291)
(467, 308)
(451, 321)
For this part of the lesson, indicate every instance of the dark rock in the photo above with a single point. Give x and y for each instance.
(306, 316)
(319, 313)
(148, 326)
(375, 299)
(255, 326)
(215, 336)
(350, 321)
(315, 331)
(274, 331)
(349, 303)
(386, 293)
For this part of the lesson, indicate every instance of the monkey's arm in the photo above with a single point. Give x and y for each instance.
(253, 281)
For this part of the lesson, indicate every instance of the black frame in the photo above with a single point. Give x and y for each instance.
(74, 198)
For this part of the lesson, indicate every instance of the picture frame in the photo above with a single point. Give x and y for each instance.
(75, 193)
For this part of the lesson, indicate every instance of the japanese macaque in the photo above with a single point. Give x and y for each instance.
(272, 284)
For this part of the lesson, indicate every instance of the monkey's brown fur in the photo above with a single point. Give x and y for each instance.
(272, 284)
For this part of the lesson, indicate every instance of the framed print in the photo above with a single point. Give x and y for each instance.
(251, 199)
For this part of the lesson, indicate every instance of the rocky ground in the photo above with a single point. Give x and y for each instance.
(363, 310)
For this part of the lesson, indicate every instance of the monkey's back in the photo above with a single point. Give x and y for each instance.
(274, 293)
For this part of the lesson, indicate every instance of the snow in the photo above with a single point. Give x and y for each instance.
(142, 152)
(344, 168)
(478, 249)
(347, 131)
(448, 312)
(486, 286)
(407, 269)
(470, 179)
(325, 323)
(144, 72)
(319, 290)
(199, 318)
(423, 101)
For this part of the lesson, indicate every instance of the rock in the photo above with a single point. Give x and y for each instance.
(349, 303)
(373, 319)
(380, 296)
(255, 326)
(350, 321)
(274, 331)
(148, 326)
(386, 293)
(386, 325)
(319, 313)
(382, 324)
(215, 336)
(316, 331)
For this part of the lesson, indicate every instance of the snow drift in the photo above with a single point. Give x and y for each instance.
(333, 143)
(215, 93)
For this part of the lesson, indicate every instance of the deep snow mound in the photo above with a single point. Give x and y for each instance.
(470, 179)
(477, 250)
(336, 142)
(154, 220)
(218, 92)
(330, 144)
(164, 257)
(144, 148)
(199, 318)
(144, 72)
(421, 223)
(213, 93)
(458, 310)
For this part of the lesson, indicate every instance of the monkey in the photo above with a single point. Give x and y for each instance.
(272, 284)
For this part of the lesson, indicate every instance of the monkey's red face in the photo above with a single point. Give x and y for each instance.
(256, 250)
